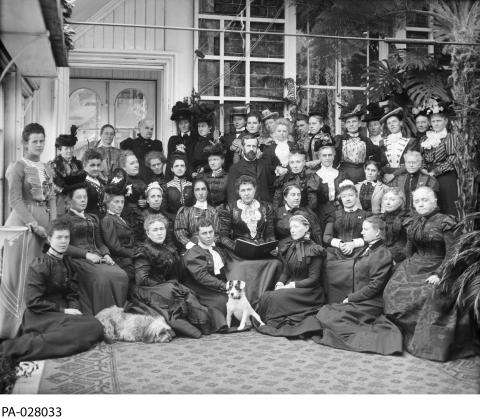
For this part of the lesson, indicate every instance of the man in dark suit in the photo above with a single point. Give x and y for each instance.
(252, 166)
(413, 177)
(142, 144)
(238, 116)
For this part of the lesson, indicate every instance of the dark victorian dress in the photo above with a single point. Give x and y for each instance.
(96, 196)
(100, 285)
(251, 223)
(119, 237)
(282, 222)
(395, 233)
(157, 290)
(359, 325)
(289, 178)
(217, 183)
(62, 170)
(46, 331)
(290, 311)
(177, 193)
(132, 213)
(431, 329)
(345, 226)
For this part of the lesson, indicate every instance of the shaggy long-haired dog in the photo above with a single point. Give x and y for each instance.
(128, 327)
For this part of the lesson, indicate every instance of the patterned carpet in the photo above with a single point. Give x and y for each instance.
(250, 363)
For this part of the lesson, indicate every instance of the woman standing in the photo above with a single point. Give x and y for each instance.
(183, 143)
(276, 154)
(343, 237)
(432, 327)
(186, 221)
(319, 136)
(102, 283)
(92, 163)
(179, 191)
(216, 177)
(439, 155)
(157, 288)
(357, 323)
(251, 221)
(371, 190)
(299, 290)
(31, 191)
(394, 214)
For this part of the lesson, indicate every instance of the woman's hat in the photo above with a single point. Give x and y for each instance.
(347, 111)
(204, 112)
(239, 111)
(65, 140)
(118, 184)
(214, 150)
(267, 114)
(302, 117)
(398, 112)
(316, 112)
(373, 112)
(74, 182)
(181, 110)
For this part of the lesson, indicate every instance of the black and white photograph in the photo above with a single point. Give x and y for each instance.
(238, 197)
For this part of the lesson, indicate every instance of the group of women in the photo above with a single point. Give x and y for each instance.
(354, 267)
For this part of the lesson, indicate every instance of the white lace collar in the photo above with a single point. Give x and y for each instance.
(202, 205)
(78, 213)
(434, 139)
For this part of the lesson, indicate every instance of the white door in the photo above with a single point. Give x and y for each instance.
(121, 103)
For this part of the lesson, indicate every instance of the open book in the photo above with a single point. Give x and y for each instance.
(247, 249)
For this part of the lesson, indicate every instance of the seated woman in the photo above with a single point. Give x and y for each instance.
(292, 196)
(343, 236)
(154, 163)
(216, 177)
(135, 196)
(119, 237)
(53, 325)
(102, 282)
(299, 291)
(250, 220)
(276, 154)
(92, 163)
(357, 323)
(179, 191)
(393, 204)
(185, 227)
(323, 186)
(431, 329)
(371, 190)
(157, 289)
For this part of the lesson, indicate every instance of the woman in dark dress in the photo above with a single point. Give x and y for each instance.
(53, 325)
(216, 177)
(157, 289)
(299, 292)
(292, 196)
(357, 323)
(249, 220)
(186, 221)
(371, 190)
(92, 163)
(102, 282)
(277, 154)
(440, 157)
(432, 328)
(135, 196)
(343, 237)
(119, 237)
(319, 135)
(179, 191)
(394, 215)
(204, 140)
(323, 186)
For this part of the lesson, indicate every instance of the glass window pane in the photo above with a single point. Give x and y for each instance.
(415, 19)
(322, 100)
(266, 80)
(234, 42)
(267, 8)
(419, 49)
(208, 77)
(130, 107)
(222, 7)
(267, 46)
(234, 78)
(321, 56)
(209, 42)
(302, 52)
(84, 109)
(354, 62)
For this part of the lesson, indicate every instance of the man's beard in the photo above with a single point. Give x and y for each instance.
(251, 155)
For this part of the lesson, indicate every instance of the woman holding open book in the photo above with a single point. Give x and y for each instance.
(246, 224)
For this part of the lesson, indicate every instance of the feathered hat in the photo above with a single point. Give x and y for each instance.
(373, 112)
(74, 182)
(66, 140)
(347, 111)
(181, 110)
(118, 184)
(214, 150)
(204, 112)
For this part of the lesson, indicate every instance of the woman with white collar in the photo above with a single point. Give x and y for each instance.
(395, 145)
(343, 237)
(371, 190)
(186, 221)
(277, 153)
(439, 155)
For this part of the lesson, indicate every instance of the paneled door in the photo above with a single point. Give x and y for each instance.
(121, 103)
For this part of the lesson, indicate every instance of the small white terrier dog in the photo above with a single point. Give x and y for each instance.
(128, 327)
(238, 305)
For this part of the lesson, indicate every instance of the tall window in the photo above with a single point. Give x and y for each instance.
(241, 68)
